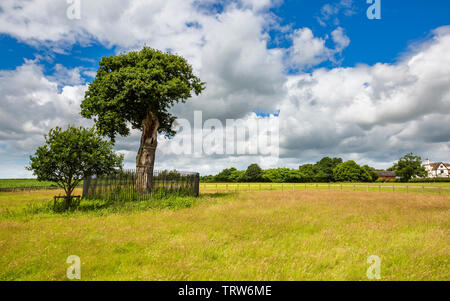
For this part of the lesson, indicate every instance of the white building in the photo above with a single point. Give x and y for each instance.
(437, 169)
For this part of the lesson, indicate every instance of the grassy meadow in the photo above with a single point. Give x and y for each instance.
(15, 183)
(423, 188)
(267, 235)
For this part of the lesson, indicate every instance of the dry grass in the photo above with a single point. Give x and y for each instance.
(270, 235)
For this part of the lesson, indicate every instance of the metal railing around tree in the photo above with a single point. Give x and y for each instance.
(125, 185)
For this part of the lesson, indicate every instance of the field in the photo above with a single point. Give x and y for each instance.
(12, 183)
(267, 235)
(436, 188)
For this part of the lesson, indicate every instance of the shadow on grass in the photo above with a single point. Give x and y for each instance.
(104, 206)
(216, 194)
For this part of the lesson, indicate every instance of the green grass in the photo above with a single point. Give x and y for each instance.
(371, 187)
(268, 235)
(14, 183)
(439, 184)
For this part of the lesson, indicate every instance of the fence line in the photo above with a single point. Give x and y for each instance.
(354, 187)
(127, 185)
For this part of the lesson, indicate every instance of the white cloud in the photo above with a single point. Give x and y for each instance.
(31, 104)
(378, 111)
(371, 114)
(308, 50)
(329, 13)
(340, 39)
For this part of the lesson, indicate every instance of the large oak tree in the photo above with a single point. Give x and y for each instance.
(138, 89)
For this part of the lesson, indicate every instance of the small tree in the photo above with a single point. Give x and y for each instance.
(253, 173)
(139, 88)
(409, 166)
(69, 156)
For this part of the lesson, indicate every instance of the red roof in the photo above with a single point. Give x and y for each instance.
(435, 166)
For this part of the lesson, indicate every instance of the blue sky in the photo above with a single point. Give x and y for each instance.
(403, 23)
(381, 77)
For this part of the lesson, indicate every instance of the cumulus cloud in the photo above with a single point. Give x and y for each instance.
(228, 50)
(378, 111)
(340, 39)
(31, 104)
(308, 50)
(241, 73)
(372, 114)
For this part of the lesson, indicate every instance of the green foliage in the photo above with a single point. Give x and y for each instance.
(325, 169)
(253, 173)
(275, 175)
(282, 175)
(309, 171)
(294, 176)
(70, 155)
(372, 172)
(208, 179)
(322, 171)
(224, 175)
(350, 171)
(237, 176)
(168, 175)
(128, 86)
(409, 166)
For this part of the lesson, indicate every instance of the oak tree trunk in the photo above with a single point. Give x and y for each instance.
(145, 159)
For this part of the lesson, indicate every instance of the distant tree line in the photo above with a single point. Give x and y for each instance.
(407, 168)
(326, 170)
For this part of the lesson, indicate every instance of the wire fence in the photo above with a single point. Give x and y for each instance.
(126, 185)
(336, 187)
